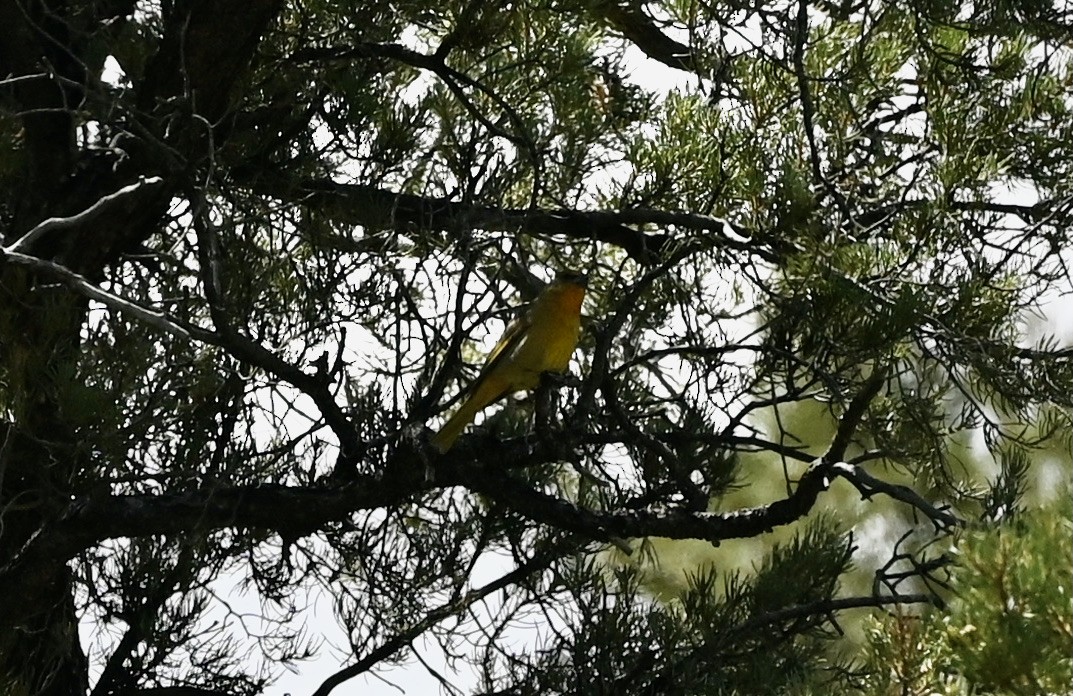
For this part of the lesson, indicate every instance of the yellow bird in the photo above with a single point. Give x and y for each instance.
(542, 340)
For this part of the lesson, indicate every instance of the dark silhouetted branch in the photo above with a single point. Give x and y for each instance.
(627, 18)
(375, 208)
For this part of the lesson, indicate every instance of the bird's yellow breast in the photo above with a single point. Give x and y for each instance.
(554, 327)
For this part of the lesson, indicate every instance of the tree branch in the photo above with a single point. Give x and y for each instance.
(172, 691)
(252, 352)
(53, 224)
(454, 80)
(84, 287)
(869, 485)
(847, 425)
(434, 616)
(378, 208)
(627, 17)
(139, 622)
(828, 607)
(205, 52)
(301, 510)
(714, 527)
(227, 338)
(295, 510)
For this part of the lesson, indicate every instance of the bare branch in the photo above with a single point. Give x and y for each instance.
(172, 691)
(628, 18)
(84, 287)
(434, 616)
(827, 607)
(847, 425)
(53, 224)
(139, 622)
(869, 485)
(671, 523)
(370, 206)
(254, 353)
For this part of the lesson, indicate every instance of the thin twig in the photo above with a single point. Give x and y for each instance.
(433, 617)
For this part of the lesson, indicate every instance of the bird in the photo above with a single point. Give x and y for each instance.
(540, 340)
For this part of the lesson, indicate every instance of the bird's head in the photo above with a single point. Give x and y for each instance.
(567, 291)
(571, 278)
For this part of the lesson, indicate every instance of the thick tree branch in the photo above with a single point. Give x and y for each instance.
(300, 510)
(88, 216)
(627, 18)
(304, 509)
(172, 691)
(294, 510)
(206, 51)
(671, 523)
(847, 425)
(869, 485)
(1056, 211)
(827, 608)
(378, 208)
(225, 337)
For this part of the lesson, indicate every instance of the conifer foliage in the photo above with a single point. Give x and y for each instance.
(253, 251)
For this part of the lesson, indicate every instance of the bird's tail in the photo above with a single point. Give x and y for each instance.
(454, 426)
(488, 391)
(446, 435)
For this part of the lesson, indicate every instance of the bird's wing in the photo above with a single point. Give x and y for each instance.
(513, 335)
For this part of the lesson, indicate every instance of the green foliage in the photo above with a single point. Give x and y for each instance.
(1008, 625)
(809, 230)
(722, 634)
